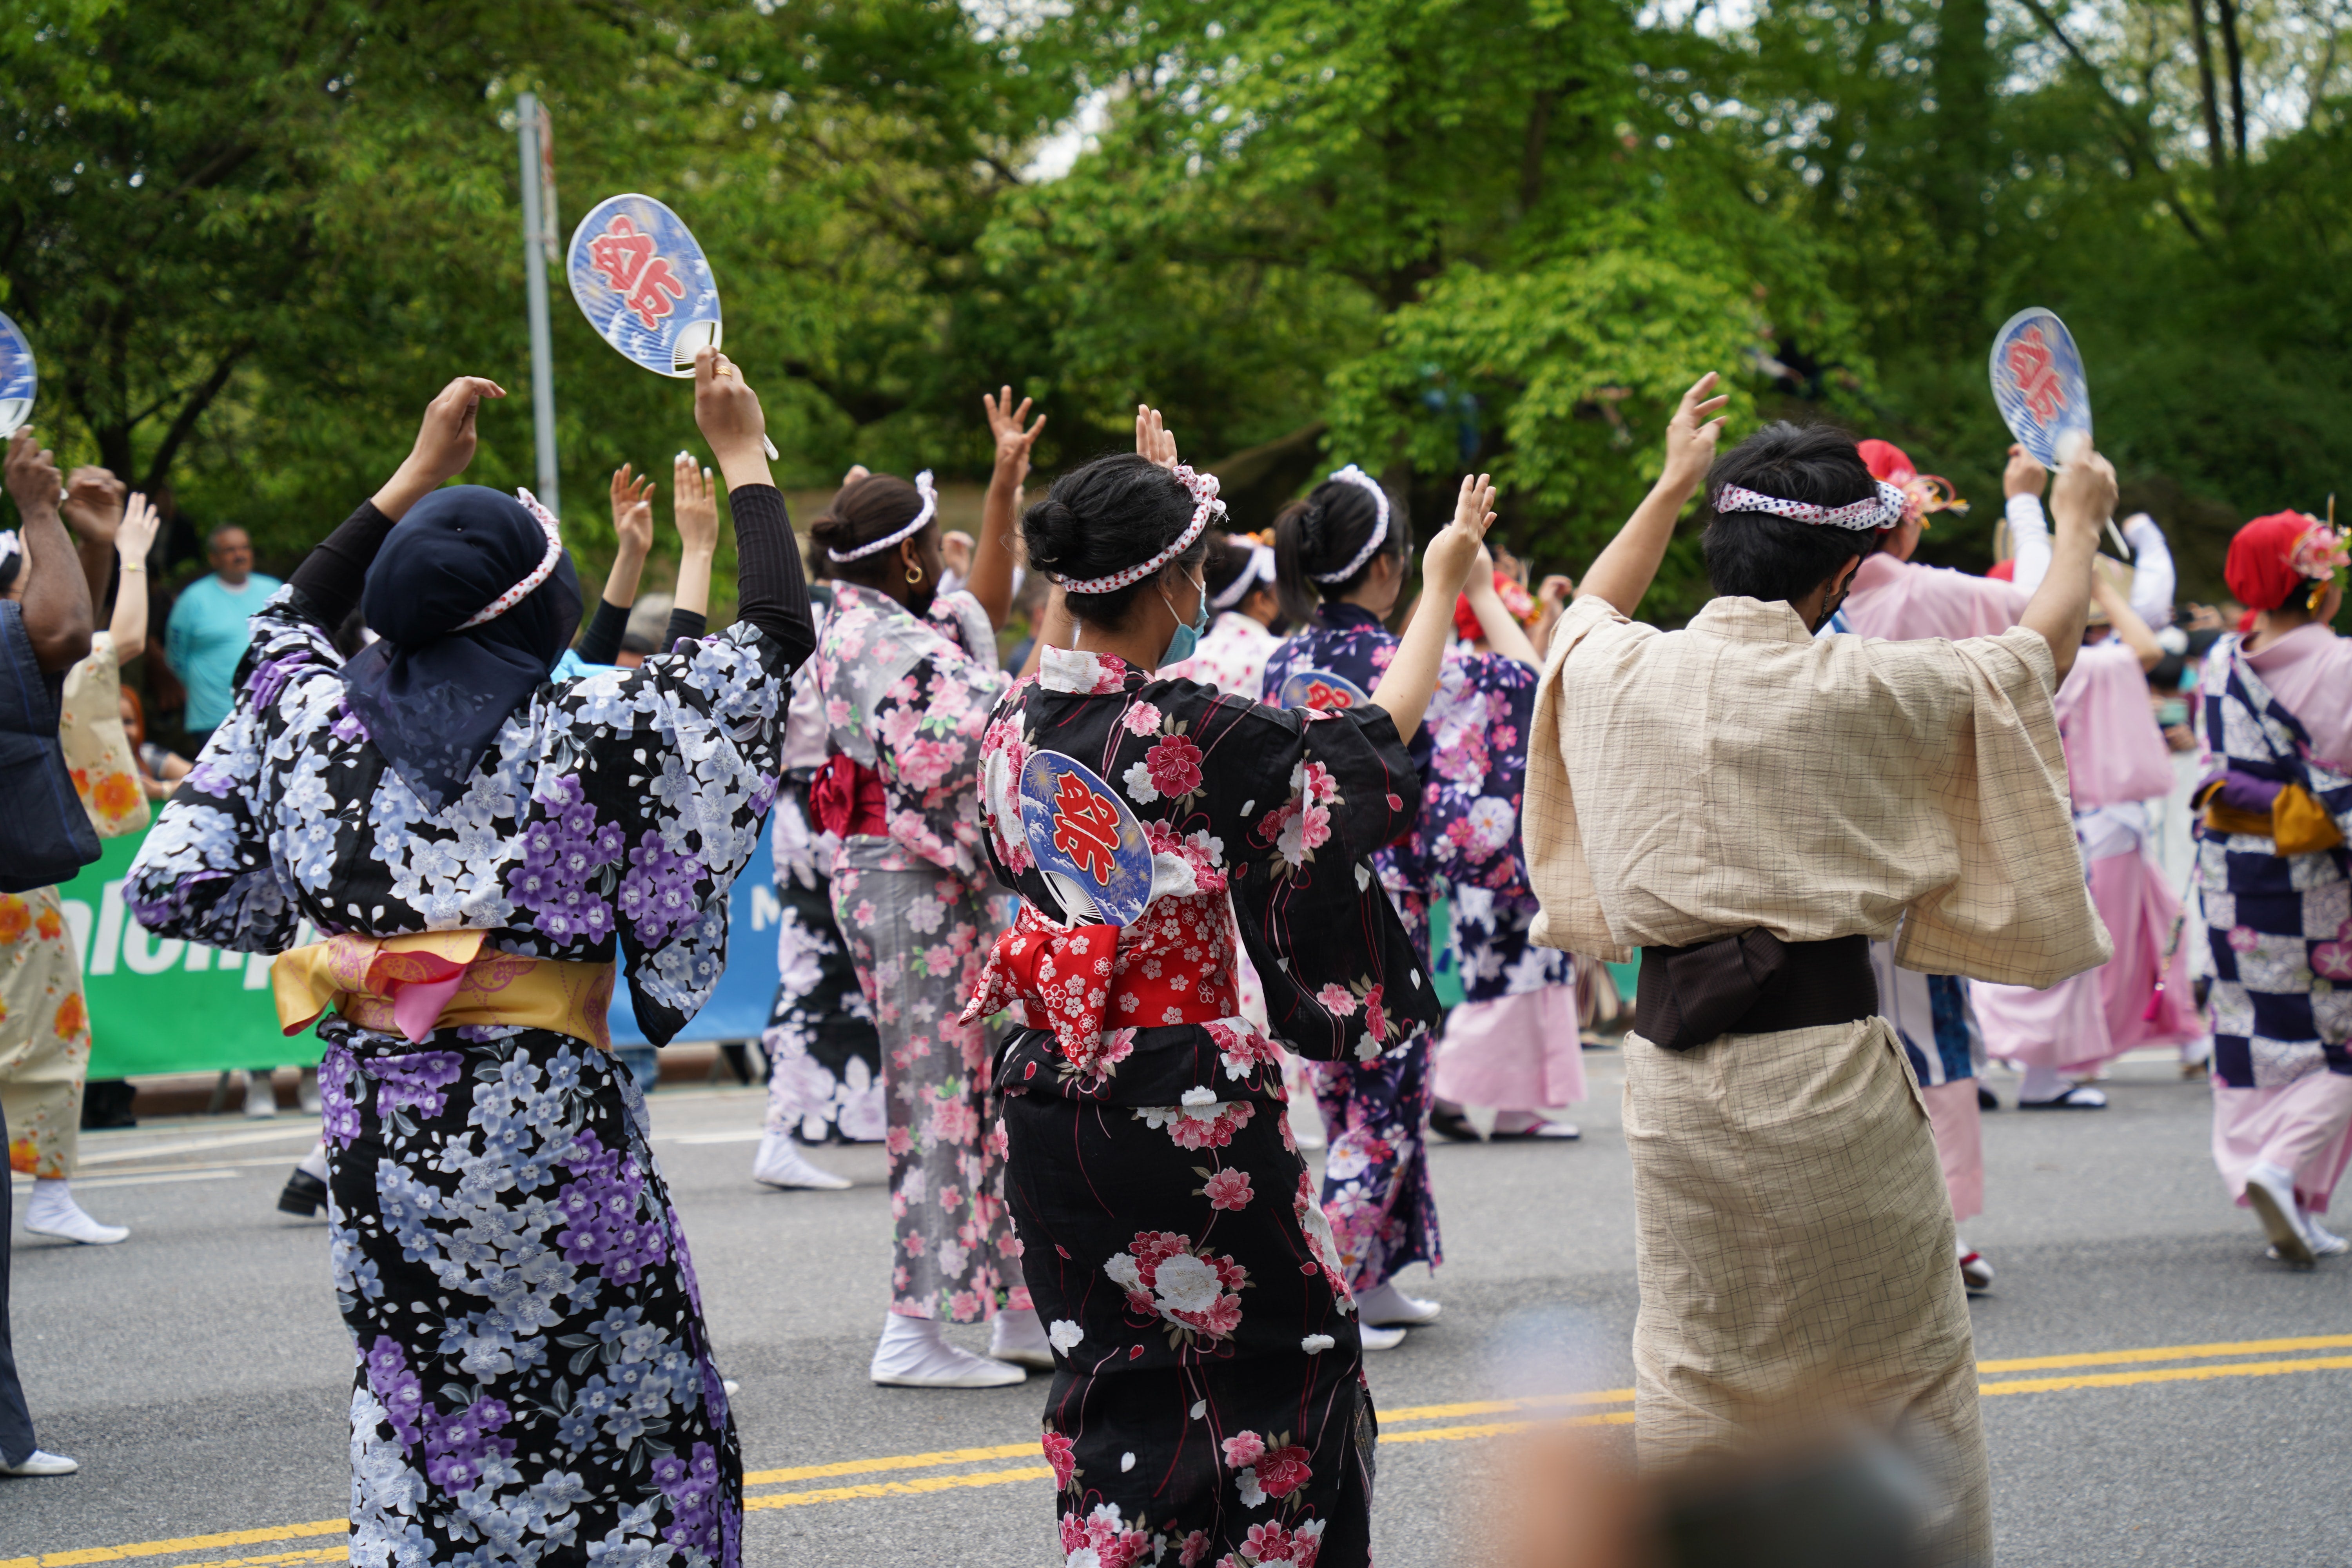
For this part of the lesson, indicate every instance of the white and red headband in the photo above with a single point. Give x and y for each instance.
(1879, 511)
(923, 514)
(1205, 505)
(1352, 475)
(538, 573)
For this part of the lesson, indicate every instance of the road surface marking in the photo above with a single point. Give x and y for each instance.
(109, 1156)
(923, 1485)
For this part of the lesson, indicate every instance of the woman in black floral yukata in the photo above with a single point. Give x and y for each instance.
(1209, 1405)
(472, 840)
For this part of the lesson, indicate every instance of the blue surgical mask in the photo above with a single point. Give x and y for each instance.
(1187, 636)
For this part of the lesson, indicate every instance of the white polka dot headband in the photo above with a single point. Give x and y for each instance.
(1881, 511)
(1205, 505)
(1353, 475)
(923, 514)
(1259, 570)
(538, 573)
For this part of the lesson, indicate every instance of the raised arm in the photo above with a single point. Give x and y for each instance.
(1503, 634)
(57, 596)
(697, 544)
(992, 559)
(2154, 578)
(770, 590)
(133, 538)
(2022, 482)
(331, 576)
(2130, 630)
(1625, 570)
(2080, 502)
(1412, 676)
(93, 509)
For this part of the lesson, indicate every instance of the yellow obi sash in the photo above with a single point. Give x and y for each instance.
(411, 986)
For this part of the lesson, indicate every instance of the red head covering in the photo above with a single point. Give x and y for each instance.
(2271, 556)
(1922, 493)
(1516, 599)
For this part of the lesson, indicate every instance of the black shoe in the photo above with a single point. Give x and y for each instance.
(1452, 1126)
(1986, 1098)
(305, 1195)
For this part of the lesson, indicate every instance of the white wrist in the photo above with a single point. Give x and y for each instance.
(2024, 512)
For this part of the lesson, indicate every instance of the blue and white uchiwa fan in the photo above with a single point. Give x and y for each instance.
(20, 380)
(2043, 394)
(1320, 688)
(1085, 840)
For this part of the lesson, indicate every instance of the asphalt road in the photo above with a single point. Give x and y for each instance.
(201, 1375)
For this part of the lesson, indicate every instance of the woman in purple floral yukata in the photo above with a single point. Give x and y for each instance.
(1209, 1405)
(472, 840)
(909, 675)
(1340, 556)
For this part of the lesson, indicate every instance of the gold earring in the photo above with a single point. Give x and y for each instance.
(914, 574)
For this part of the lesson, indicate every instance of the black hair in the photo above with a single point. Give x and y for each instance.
(873, 508)
(1323, 533)
(1101, 519)
(1761, 555)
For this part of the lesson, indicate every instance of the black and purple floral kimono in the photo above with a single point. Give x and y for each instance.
(1375, 1114)
(1208, 1403)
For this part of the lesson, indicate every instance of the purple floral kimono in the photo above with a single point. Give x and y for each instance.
(1375, 1114)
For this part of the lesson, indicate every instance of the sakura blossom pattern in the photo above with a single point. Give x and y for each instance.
(1170, 1234)
(909, 697)
(826, 1079)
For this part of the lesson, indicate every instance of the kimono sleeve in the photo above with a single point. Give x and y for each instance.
(668, 771)
(927, 727)
(206, 871)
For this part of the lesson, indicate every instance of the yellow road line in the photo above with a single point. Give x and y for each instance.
(900, 1489)
(927, 1484)
(2169, 1353)
(894, 1462)
(2166, 1374)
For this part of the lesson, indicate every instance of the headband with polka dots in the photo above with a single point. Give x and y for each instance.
(923, 514)
(1205, 505)
(1881, 511)
(540, 574)
(1353, 475)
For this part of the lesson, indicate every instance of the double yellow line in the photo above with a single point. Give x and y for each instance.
(1539, 1410)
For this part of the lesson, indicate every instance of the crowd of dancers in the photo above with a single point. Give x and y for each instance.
(1866, 823)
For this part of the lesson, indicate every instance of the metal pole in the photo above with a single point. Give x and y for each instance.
(535, 245)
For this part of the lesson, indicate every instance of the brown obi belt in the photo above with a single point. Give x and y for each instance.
(1752, 984)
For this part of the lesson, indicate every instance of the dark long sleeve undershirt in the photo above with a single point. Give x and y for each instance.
(600, 644)
(332, 576)
(687, 625)
(769, 589)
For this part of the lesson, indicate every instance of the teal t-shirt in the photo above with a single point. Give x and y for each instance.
(206, 636)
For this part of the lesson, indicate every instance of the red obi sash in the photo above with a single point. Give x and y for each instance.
(1175, 965)
(848, 799)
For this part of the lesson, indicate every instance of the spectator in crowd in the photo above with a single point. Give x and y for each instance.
(207, 632)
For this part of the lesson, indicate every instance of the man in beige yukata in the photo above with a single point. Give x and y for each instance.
(1750, 807)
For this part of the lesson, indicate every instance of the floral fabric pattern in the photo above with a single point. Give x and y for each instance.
(824, 1082)
(1376, 1114)
(44, 1034)
(533, 1376)
(1169, 1231)
(612, 815)
(97, 746)
(915, 937)
(2279, 927)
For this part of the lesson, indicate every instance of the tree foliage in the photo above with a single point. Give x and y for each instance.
(1420, 234)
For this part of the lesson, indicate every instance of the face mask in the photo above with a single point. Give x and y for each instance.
(1187, 636)
(1831, 608)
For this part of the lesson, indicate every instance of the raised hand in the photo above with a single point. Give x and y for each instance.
(32, 478)
(2024, 475)
(2085, 496)
(1460, 545)
(93, 503)
(446, 437)
(1013, 442)
(1556, 591)
(1691, 435)
(633, 514)
(728, 412)
(696, 506)
(1153, 439)
(136, 534)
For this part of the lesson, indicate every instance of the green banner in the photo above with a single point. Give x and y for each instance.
(161, 1004)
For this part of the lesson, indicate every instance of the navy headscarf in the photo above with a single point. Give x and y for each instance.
(434, 692)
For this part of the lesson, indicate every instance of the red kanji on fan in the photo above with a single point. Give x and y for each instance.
(1322, 695)
(1086, 828)
(626, 259)
(2029, 360)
